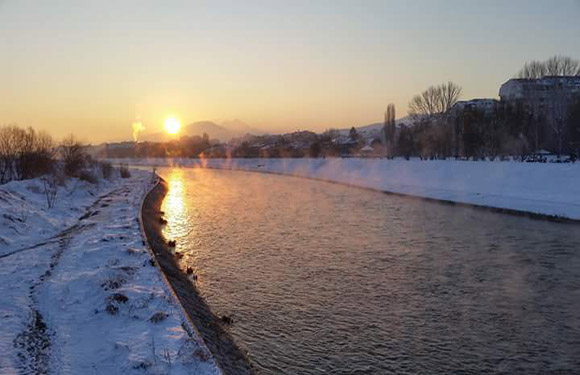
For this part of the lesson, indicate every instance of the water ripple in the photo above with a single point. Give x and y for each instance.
(326, 279)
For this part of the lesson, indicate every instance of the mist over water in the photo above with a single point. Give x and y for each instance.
(325, 279)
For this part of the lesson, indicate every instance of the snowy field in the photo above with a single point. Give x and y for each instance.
(550, 189)
(79, 293)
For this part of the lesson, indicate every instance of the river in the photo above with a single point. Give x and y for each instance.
(327, 279)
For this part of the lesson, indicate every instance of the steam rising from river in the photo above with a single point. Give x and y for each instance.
(321, 277)
(137, 128)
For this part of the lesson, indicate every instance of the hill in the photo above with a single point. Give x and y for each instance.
(224, 132)
(372, 130)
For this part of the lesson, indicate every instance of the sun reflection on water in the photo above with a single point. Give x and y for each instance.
(174, 205)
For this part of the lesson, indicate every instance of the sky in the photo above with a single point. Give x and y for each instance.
(93, 67)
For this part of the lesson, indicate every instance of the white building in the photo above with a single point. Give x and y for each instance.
(486, 106)
(540, 90)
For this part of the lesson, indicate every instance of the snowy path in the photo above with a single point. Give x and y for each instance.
(91, 301)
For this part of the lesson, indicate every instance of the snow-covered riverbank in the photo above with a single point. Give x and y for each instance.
(548, 189)
(79, 292)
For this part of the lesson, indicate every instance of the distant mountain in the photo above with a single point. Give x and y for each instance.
(154, 137)
(224, 132)
(240, 127)
(214, 130)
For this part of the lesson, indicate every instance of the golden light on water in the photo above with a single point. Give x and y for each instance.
(172, 125)
(179, 215)
(174, 205)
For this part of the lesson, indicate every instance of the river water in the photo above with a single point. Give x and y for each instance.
(327, 279)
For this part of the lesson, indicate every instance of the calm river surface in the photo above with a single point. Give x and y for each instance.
(328, 279)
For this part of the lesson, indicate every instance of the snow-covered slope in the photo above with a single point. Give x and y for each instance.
(550, 189)
(90, 300)
(24, 214)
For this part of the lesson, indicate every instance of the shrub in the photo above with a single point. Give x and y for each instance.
(73, 156)
(87, 176)
(124, 171)
(106, 169)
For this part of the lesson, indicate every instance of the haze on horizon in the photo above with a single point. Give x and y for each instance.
(92, 68)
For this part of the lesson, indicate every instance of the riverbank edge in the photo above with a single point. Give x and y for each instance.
(229, 357)
(508, 211)
(262, 166)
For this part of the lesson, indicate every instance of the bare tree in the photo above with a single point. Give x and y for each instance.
(554, 66)
(573, 129)
(559, 116)
(389, 130)
(50, 190)
(8, 152)
(35, 156)
(24, 153)
(562, 66)
(390, 115)
(532, 69)
(73, 157)
(435, 100)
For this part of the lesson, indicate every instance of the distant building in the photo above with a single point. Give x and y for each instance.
(547, 100)
(485, 106)
(373, 148)
(541, 93)
(367, 151)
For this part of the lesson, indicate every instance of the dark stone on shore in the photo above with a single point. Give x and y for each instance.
(231, 359)
(158, 317)
(118, 297)
(111, 309)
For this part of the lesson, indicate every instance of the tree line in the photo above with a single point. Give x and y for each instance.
(507, 129)
(554, 66)
(27, 154)
(184, 147)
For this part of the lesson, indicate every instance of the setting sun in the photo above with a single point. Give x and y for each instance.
(172, 125)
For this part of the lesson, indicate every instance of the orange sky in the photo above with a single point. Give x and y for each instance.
(91, 67)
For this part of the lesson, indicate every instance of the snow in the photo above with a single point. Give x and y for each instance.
(542, 188)
(25, 218)
(78, 290)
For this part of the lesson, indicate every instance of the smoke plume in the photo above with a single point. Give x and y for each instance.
(137, 128)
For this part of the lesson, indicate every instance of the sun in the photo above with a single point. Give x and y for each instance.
(172, 125)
